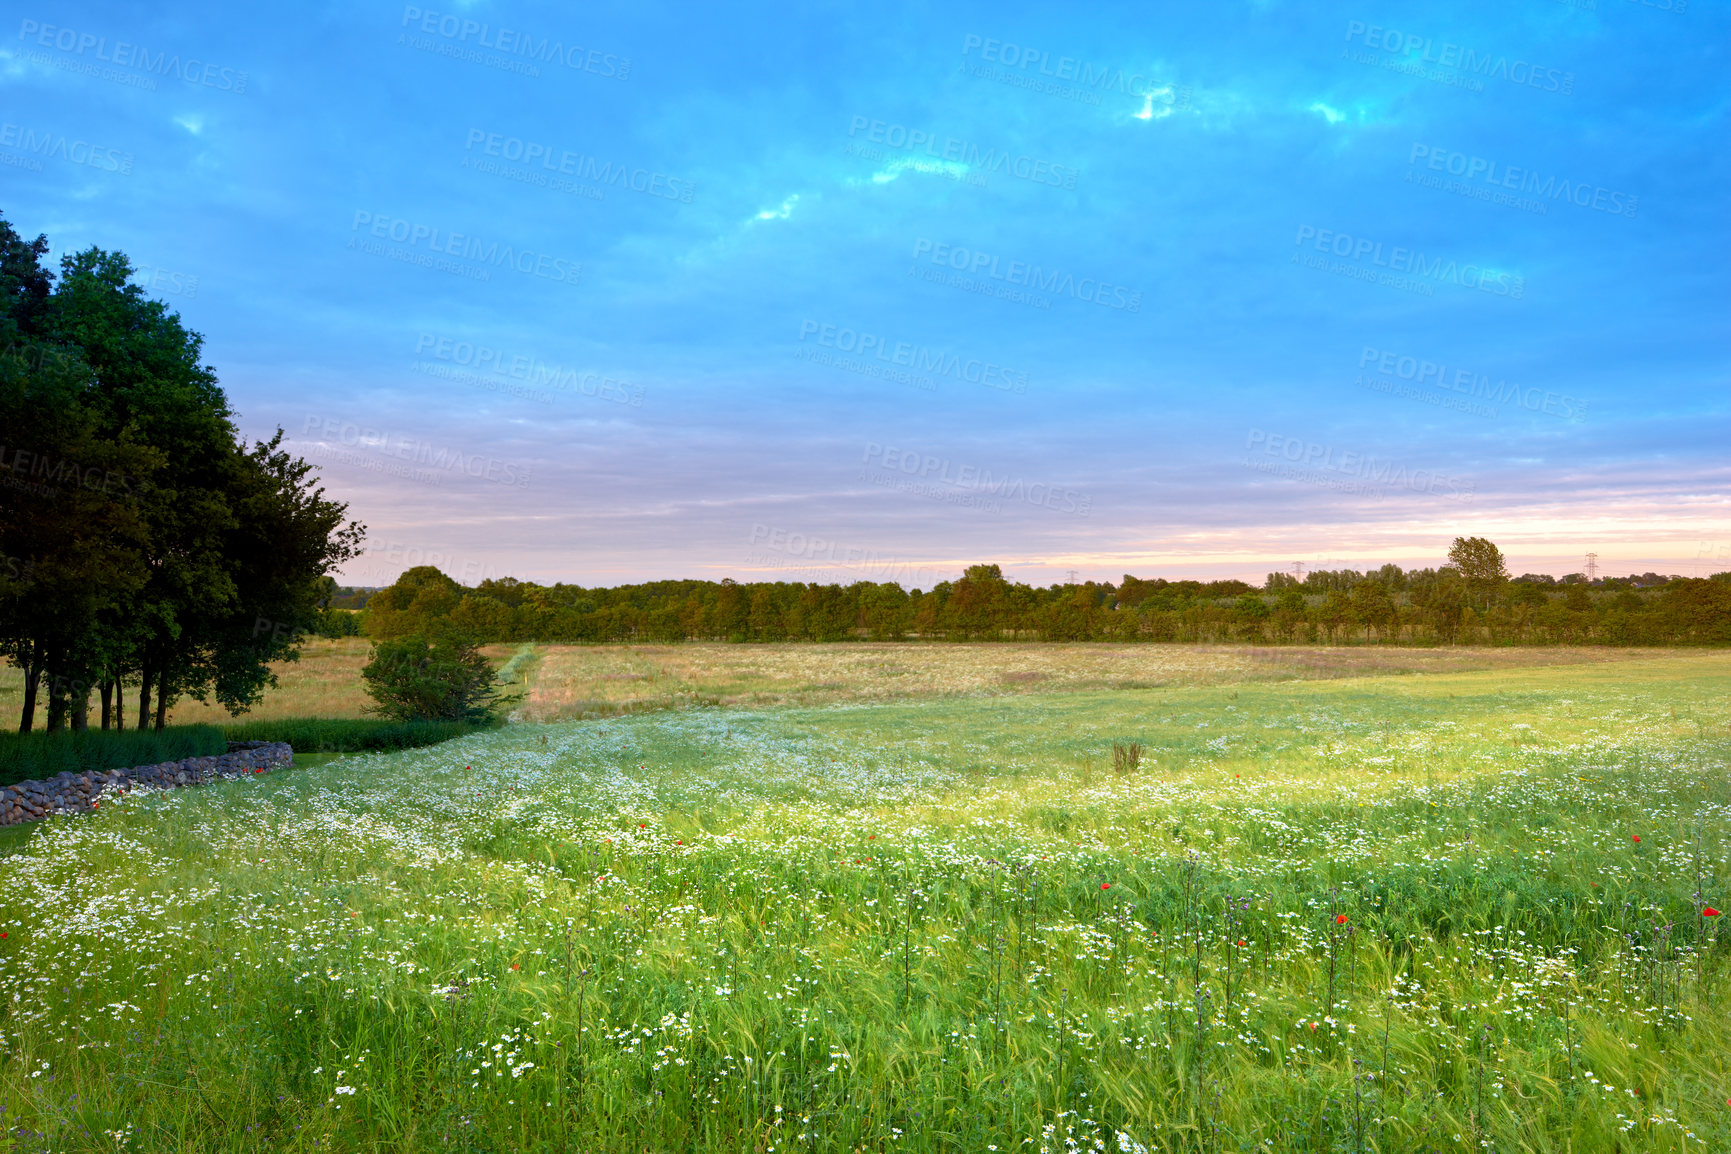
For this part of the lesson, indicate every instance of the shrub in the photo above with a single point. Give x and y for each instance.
(24, 756)
(442, 679)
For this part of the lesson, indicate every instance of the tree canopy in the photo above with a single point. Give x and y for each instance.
(147, 545)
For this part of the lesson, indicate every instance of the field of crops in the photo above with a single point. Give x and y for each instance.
(1434, 911)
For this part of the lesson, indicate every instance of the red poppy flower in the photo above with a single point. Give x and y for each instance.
(1709, 912)
(642, 825)
(1241, 941)
(873, 837)
(95, 805)
(1313, 1025)
(680, 842)
(1105, 885)
(1340, 919)
(1636, 838)
(3, 934)
(513, 965)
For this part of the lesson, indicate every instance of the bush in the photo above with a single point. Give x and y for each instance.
(327, 735)
(441, 679)
(24, 756)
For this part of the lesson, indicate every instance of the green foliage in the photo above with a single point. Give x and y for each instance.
(445, 678)
(24, 756)
(161, 548)
(1386, 606)
(363, 735)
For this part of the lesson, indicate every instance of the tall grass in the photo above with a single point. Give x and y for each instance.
(1398, 915)
(42, 755)
(348, 735)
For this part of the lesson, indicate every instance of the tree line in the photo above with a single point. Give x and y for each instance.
(144, 545)
(1471, 599)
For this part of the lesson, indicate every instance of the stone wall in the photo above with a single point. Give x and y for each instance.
(81, 792)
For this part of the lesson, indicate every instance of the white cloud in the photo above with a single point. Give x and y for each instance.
(1333, 116)
(1149, 112)
(782, 213)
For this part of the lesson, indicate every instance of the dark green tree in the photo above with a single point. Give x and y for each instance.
(445, 678)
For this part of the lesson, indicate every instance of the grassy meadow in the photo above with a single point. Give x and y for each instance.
(578, 682)
(1416, 903)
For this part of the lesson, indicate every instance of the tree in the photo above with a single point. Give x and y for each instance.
(1251, 611)
(1335, 611)
(69, 514)
(420, 598)
(1373, 608)
(1480, 564)
(163, 548)
(1440, 599)
(977, 603)
(444, 679)
(1289, 613)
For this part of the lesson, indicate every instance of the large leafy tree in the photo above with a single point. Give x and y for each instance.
(167, 552)
(1480, 565)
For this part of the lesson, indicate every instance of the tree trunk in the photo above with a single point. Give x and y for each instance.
(32, 678)
(161, 701)
(107, 701)
(119, 702)
(56, 703)
(144, 696)
(80, 705)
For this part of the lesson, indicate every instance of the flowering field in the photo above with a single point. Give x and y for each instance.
(1436, 912)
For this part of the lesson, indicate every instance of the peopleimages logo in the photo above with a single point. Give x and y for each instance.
(952, 150)
(1405, 260)
(974, 262)
(1474, 170)
(466, 246)
(127, 55)
(1353, 470)
(481, 359)
(564, 162)
(460, 31)
(48, 146)
(1098, 78)
(918, 358)
(1419, 50)
(1471, 384)
(333, 433)
(928, 469)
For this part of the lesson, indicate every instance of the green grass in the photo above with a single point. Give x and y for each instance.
(916, 926)
(42, 754)
(348, 735)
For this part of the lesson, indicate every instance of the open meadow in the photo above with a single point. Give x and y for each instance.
(577, 682)
(1420, 903)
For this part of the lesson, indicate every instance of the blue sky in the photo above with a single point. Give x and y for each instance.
(682, 291)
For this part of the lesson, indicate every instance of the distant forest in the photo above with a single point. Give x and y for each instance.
(1470, 602)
